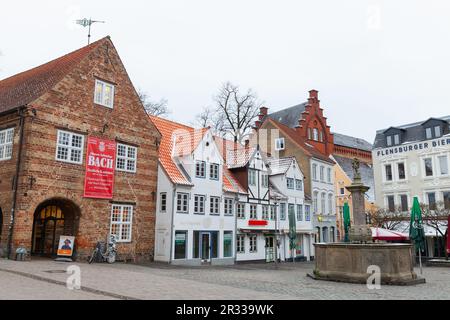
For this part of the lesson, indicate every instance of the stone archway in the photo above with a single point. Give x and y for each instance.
(52, 219)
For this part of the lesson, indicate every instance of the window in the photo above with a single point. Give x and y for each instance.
(265, 212)
(342, 191)
(314, 171)
(199, 204)
(6, 143)
(299, 184)
(163, 199)
(431, 200)
(104, 94)
(428, 162)
(396, 139)
(315, 201)
(404, 202)
(446, 197)
(282, 211)
(241, 210)
(240, 243)
(126, 158)
(307, 213)
(279, 144)
(330, 204)
(228, 210)
(428, 133)
(265, 180)
(389, 141)
(388, 171)
(214, 171)
(299, 212)
(252, 177)
(321, 136)
(329, 175)
(437, 131)
(443, 165)
(227, 244)
(121, 219)
(253, 243)
(200, 169)
(315, 134)
(391, 203)
(322, 173)
(332, 238)
(401, 171)
(291, 211)
(273, 212)
(309, 134)
(253, 211)
(180, 244)
(214, 205)
(69, 147)
(290, 183)
(182, 202)
(322, 203)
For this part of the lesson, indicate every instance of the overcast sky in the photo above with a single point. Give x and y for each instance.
(375, 63)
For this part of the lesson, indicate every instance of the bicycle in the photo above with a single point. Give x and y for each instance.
(102, 253)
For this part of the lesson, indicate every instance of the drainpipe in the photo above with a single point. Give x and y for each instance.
(174, 193)
(16, 183)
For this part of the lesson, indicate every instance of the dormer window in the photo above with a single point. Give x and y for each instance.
(396, 139)
(393, 140)
(389, 141)
(437, 131)
(279, 144)
(428, 133)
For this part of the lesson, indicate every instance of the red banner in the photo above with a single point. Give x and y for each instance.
(100, 164)
(258, 223)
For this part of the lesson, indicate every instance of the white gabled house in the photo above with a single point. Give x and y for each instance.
(287, 193)
(196, 199)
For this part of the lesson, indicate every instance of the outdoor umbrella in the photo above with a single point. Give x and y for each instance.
(346, 221)
(416, 232)
(292, 233)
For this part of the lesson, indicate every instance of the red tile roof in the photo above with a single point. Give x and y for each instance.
(187, 139)
(27, 86)
(296, 138)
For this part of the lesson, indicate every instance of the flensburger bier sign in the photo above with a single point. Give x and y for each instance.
(413, 147)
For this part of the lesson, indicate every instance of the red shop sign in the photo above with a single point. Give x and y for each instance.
(257, 223)
(100, 165)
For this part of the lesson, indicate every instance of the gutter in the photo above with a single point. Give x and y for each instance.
(21, 111)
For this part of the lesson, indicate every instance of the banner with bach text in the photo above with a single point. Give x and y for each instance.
(100, 164)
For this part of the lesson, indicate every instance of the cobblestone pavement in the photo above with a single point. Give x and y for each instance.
(249, 281)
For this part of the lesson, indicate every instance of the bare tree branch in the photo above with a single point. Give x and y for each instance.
(158, 109)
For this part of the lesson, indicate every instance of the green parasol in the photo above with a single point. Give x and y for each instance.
(346, 221)
(416, 232)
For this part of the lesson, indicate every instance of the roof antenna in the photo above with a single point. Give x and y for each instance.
(87, 23)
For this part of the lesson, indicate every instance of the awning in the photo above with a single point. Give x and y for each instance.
(388, 235)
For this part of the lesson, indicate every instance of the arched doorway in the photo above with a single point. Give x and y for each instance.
(52, 219)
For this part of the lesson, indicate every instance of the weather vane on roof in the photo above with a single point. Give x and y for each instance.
(87, 23)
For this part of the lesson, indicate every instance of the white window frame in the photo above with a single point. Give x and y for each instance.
(265, 212)
(100, 99)
(184, 202)
(307, 212)
(6, 144)
(329, 173)
(322, 173)
(290, 183)
(424, 168)
(69, 147)
(299, 212)
(389, 141)
(199, 204)
(214, 171)
(228, 204)
(437, 131)
(253, 243)
(214, 206)
(122, 223)
(330, 203)
(314, 171)
(440, 164)
(240, 243)
(265, 180)
(283, 208)
(253, 211)
(429, 133)
(252, 177)
(200, 169)
(280, 144)
(299, 184)
(240, 210)
(126, 158)
(396, 139)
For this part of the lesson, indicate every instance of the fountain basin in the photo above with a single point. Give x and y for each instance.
(348, 262)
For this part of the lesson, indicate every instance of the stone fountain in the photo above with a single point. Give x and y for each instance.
(351, 262)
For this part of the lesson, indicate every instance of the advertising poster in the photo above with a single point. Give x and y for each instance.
(65, 246)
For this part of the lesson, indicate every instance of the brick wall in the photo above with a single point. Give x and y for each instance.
(70, 106)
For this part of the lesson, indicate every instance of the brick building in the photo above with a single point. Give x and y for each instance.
(48, 115)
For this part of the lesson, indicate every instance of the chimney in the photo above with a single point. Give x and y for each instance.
(314, 94)
(257, 124)
(262, 113)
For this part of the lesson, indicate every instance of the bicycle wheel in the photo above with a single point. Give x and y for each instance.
(111, 257)
(93, 256)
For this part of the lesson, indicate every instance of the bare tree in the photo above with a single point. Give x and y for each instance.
(209, 117)
(436, 217)
(234, 112)
(382, 218)
(158, 109)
